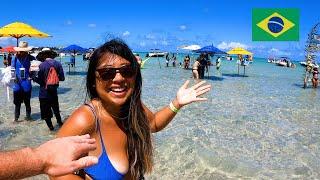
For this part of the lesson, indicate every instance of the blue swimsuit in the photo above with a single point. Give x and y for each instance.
(104, 169)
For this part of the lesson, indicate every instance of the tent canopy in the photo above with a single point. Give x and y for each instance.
(239, 51)
(210, 50)
(73, 49)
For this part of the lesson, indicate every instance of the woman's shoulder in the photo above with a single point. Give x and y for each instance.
(81, 121)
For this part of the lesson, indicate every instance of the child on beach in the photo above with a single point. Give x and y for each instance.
(116, 116)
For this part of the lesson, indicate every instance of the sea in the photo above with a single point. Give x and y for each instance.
(259, 125)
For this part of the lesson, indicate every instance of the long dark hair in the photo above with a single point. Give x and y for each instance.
(137, 127)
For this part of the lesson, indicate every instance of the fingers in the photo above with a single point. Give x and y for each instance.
(83, 139)
(199, 93)
(208, 86)
(89, 141)
(84, 162)
(84, 148)
(185, 85)
(201, 99)
(198, 84)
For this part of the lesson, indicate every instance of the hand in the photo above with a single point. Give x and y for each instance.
(61, 156)
(187, 95)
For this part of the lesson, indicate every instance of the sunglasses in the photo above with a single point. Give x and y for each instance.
(109, 73)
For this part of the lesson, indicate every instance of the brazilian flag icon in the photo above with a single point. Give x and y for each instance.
(275, 24)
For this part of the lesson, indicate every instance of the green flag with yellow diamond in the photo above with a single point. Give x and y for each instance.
(276, 24)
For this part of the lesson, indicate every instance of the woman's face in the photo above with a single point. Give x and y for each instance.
(114, 79)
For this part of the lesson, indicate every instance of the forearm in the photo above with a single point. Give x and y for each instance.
(20, 164)
(66, 177)
(163, 117)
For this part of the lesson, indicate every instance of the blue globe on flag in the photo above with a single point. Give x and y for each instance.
(275, 24)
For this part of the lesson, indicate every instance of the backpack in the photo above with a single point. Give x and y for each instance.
(52, 78)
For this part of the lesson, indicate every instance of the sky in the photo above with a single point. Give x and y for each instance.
(146, 24)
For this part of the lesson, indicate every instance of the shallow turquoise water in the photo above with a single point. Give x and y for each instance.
(259, 126)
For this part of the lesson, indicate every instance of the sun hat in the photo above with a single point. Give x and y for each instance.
(46, 49)
(23, 46)
(46, 53)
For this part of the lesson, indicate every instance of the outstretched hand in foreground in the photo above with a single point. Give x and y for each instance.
(62, 156)
(187, 95)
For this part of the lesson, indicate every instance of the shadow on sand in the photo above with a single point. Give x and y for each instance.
(213, 78)
(301, 86)
(61, 90)
(76, 73)
(35, 116)
(234, 75)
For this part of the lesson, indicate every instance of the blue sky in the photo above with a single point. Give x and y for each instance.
(156, 24)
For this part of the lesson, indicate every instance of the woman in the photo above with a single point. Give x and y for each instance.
(116, 117)
(195, 69)
(315, 73)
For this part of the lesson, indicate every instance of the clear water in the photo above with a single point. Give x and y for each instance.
(260, 126)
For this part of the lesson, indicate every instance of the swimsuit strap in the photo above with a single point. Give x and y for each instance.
(93, 110)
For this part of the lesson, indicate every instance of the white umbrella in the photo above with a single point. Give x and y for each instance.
(191, 47)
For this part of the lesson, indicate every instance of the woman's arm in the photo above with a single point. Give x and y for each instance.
(79, 123)
(185, 95)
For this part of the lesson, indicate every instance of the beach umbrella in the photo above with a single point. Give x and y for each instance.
(240, 51)
(18, 30)
(192, 47)
(73, 49)
(210, 50)
(8, 49)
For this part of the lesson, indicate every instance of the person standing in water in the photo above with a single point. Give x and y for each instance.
(48, 94)
(22, 86)
(195, 69)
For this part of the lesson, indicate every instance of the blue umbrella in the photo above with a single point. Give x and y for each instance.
(210, 50)
(73, 49)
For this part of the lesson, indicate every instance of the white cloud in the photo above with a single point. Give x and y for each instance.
(164, 42)
(5, 41)
(150, 36)
(69, 22)
(92, 25)
(277, 52)
(206, 10)
(142, 44)
(183, 27)
(226, 46)
(126, 33)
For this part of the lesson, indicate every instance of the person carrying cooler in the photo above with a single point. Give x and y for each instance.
(22, 81)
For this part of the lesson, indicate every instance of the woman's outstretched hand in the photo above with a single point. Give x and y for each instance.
(187, 95)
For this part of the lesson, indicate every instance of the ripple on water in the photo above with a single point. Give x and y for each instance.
(263, 126)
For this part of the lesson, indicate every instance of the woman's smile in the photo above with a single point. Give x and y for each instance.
(118, 91)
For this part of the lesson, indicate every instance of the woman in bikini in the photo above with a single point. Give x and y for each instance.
(117, 118)
(195, 69)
